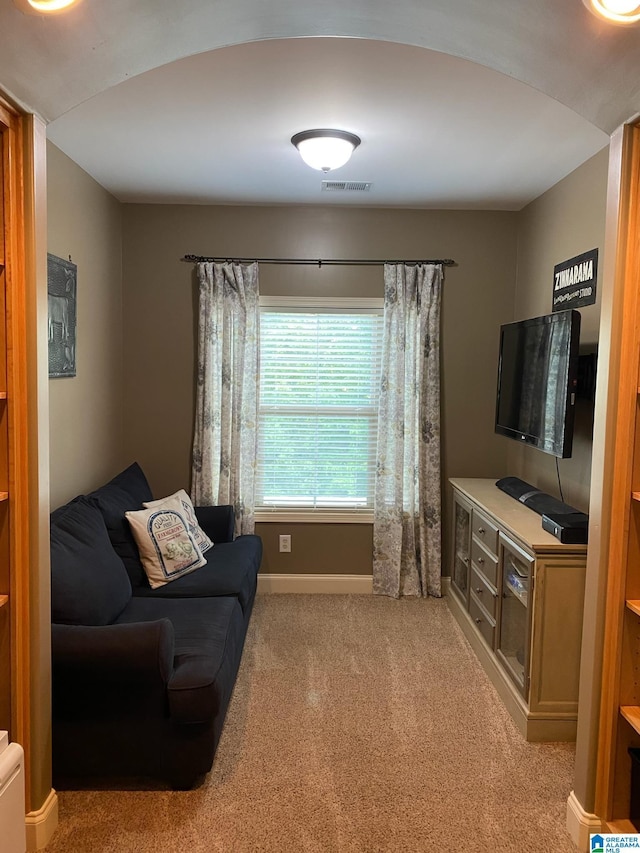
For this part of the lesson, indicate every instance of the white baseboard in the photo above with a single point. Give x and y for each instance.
(41, 824)
(354, 584)
(580, 824)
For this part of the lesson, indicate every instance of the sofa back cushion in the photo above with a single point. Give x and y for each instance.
(125, 493)
(89, 584)
(133, 481)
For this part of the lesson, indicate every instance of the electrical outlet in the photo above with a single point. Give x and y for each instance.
(285, 543)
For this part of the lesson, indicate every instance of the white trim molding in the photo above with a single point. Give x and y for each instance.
(41, 824)
(580, 824)
(311, 516)
(336, 584)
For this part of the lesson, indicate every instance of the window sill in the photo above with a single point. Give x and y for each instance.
(312, 517)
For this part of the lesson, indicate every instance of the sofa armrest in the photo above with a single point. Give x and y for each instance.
(136, 653)
(217, 522)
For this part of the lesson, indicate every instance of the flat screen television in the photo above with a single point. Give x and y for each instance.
(537, 381)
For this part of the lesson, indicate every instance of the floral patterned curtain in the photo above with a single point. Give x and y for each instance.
(407, 514)
(225, 440)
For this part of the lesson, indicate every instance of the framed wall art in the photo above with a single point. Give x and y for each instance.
(62, 277)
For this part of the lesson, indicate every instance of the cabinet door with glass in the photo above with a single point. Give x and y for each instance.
(461, 562)
(515, 612)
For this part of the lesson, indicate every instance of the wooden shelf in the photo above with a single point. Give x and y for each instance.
(631, 713)
(635, 496)
(4, 599)
(634, 606)
(4, 496)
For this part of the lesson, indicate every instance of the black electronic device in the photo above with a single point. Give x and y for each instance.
(533, 498)
(571, 528)
(587, 369)
(537, 381)
(515, 487)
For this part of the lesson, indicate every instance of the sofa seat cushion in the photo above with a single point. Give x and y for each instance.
(126, 492)
(89, 584)
(231, 569)
(208, 640)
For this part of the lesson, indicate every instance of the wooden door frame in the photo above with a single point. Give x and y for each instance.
(621, 437)
(28, 426)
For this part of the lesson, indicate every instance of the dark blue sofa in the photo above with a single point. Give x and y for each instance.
(142, 677)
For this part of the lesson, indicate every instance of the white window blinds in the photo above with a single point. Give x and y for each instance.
(319, 386)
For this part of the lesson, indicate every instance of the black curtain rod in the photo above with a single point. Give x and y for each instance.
(446, 262)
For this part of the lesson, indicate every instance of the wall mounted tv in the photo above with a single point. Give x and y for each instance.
(537, 381)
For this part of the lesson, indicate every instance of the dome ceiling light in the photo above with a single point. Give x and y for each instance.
(325, 150)
(615, 11)
(45, 7)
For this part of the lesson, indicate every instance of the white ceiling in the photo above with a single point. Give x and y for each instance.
(459, 103)
(436, 131)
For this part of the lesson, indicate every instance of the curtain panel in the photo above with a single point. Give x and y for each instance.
(407, 511)
(226, 421)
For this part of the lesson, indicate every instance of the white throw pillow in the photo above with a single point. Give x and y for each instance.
(202, 540)
(167, 548)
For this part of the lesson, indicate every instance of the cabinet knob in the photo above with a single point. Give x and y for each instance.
(478, 621)
(480, 560)
(479, 590)
(481, 530)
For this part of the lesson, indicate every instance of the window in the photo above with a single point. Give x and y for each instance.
(319, 386)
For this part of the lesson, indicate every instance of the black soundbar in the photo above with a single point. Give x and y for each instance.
(565, 522)
(532, 497)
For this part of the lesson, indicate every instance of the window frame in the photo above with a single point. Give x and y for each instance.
(312, 515)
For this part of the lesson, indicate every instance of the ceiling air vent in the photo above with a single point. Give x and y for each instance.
(346, 186)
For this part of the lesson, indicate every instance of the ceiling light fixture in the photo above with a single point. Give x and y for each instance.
(45, 7)
(615, 11)
(325, 150)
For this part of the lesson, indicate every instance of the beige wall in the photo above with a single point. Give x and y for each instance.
(84, 221)
(328, 549)
(159, 320)
(136, 346)
(563, 222)
(135, 350)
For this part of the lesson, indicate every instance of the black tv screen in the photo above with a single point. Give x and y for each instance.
(537, 380)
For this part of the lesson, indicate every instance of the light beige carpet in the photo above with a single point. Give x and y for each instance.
(358, 723)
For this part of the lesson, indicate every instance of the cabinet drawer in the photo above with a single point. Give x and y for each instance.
(484, 593)
(483, 622)
(485, 562)
(484, 531)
